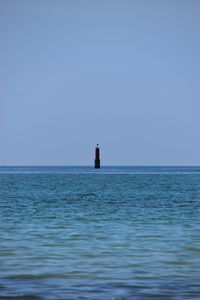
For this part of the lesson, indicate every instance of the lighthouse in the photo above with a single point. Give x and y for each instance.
(97, 157)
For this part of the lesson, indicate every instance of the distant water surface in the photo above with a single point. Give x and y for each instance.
(114, 233)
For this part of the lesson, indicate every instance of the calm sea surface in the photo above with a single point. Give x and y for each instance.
(114, 233)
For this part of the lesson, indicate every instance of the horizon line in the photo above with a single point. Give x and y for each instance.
(102, 166)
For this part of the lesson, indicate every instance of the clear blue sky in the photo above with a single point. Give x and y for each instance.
(125, 74)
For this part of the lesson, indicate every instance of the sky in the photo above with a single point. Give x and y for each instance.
(121, 73)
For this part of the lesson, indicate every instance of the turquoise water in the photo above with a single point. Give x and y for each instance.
(114, 233)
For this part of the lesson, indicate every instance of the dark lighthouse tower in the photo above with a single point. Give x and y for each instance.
(97, 157)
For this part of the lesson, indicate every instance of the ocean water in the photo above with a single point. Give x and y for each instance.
(114, 233)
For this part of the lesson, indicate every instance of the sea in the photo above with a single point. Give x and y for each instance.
(115, 233)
